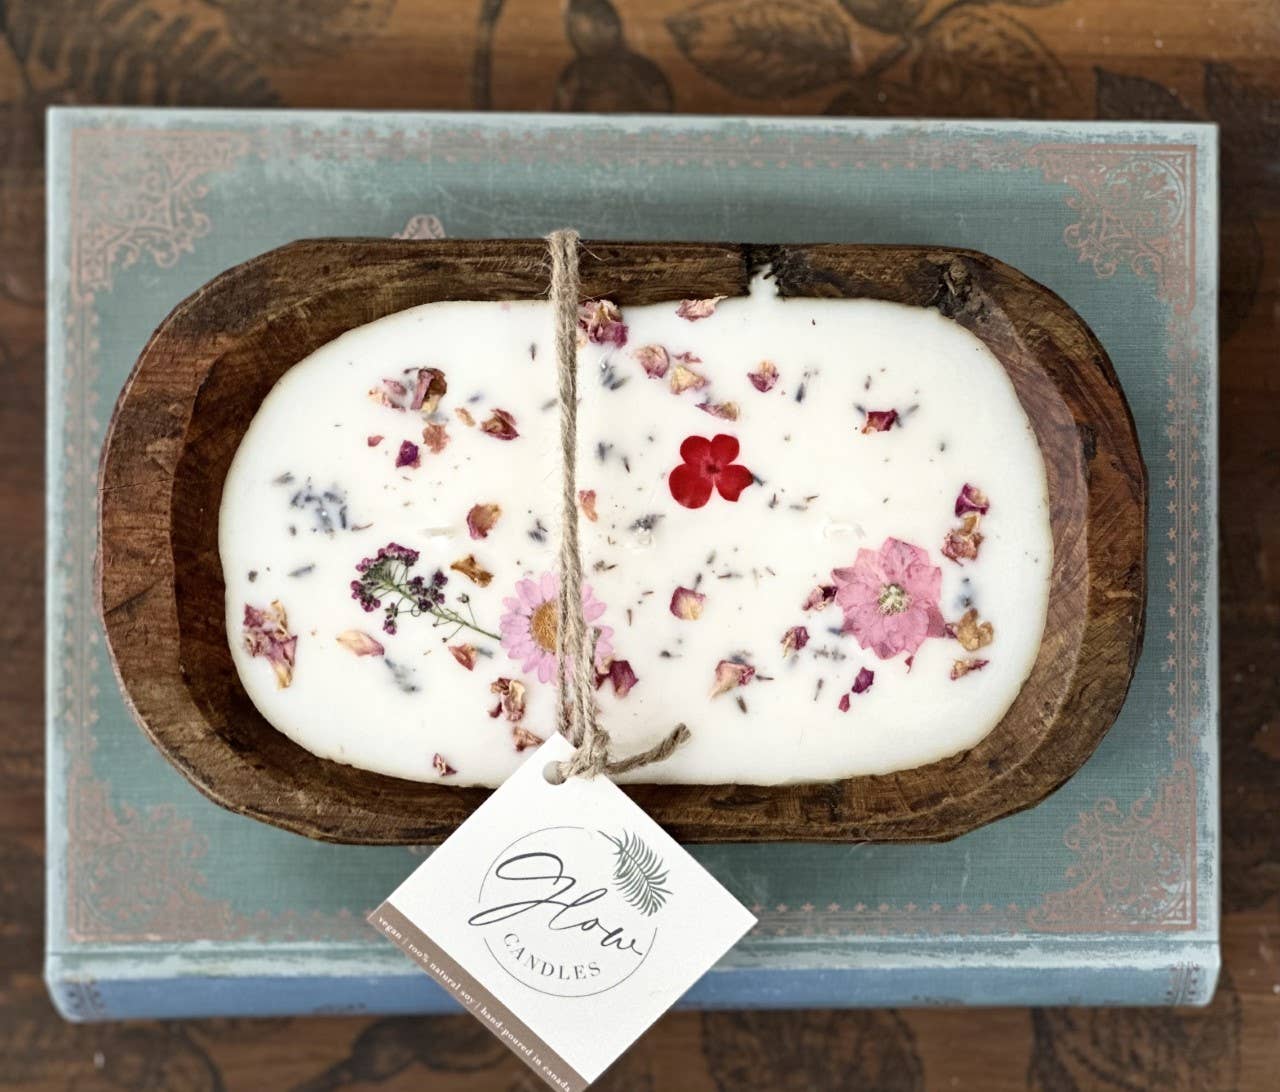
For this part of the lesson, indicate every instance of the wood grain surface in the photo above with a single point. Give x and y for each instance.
(1166, 59)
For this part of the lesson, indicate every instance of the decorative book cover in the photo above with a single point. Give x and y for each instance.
(162, 904)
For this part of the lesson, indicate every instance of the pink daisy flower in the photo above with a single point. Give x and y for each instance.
(530, 626)
(890, 598)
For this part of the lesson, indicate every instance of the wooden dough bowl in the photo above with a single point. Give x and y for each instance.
(208, 367)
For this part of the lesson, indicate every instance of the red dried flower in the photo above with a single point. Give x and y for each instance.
(708, 465)
(864, 680)
(880, 420)
(972, 499)
(620, 674)
(465, 655)
(408, 455)
(794, 640)
(764, 377)
(587, 501)
(481, 518)
(500, 425)
(601, 322)
(373, 441)
(686, 604)
(961, 543)
(429, 387)
(441, 766)
(654, 359)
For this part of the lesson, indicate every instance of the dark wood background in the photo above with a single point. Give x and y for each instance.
(1168, 59)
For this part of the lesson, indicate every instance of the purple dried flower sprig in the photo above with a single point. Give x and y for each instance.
(385, 576)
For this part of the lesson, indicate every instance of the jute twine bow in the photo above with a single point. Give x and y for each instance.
(575, 644)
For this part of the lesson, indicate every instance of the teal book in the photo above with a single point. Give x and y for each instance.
(162, 904)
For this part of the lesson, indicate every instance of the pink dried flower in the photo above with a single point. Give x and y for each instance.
(961, 543)
(531, 625)
(972, 499)
(587, 502)
(960, 668)
(880, 421)
(693, 310)
(266, 633)
(601, 321)
(685, 379)
(524, 739)
(408, 455)
(727, 410)
(464, 415)
(654, 359)
(843, 703)
(731, 674)
(391, 393)
(500, 425)
(619, 673)
(890, 598)
(820, 598)
(359, 642)
(465, 655)
(863, 681)
(687, 604)
(441, 766)
(511, 699)
(472, 569)
(428, 388)
(436, 437)
(374, 441)
(481, 518)
(764, 377)
(794, 640)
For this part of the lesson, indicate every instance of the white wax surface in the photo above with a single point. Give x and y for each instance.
(825, 490)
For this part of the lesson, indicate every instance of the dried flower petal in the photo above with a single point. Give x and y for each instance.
(587, 501)
(843, 703)
(481, 518)
(820, 598)
(408, 455)
(863, 681)
(465, 655)
(524, 739)
(464, 415)
(794, 640)
(687, 604)
(601, 321)
(731, 674)
(728, 410)
(266, 633)
(360, 643)
(619, 673)
(961, 668)
(693, 310)
(764, 377)
(961, 543)
(880, 421)
(500, 425)
(654, 359)
(442, 767)
(685, 379)
(373, 441)
(971, 634)
(436, 437)
(392, 393)
(429, 387)
(972, 499)
(472, 569)
(511, 699)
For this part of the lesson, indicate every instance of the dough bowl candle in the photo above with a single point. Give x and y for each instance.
(868, 520)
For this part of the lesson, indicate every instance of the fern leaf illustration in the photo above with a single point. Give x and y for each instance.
(638, 873)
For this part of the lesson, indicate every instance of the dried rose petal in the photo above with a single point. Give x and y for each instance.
(730, 674)
(843, 703)
(961, 543)
(442, 767)
(429, 387)
(436, 437)
(602, 322)
(393, 394)
(794, 640)
(764, 377)
(728, 410)
(971, 634)
(464, 415)
(972, 499)
(360, 643)
(465, 655)
(864, 679)
(472, 569)
(619, 673)
(524, 739)
(654, 359)
(961, 668)
(373, 441)
(698, 309)
(687, 604)
(266, 633)
(511, 699)
(408, 455)
(587, 500)
(501, 425)
(820, 598)
(685, 379)
(880, 420)
(481, 518)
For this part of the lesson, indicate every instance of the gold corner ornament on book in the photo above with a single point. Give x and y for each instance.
(563, 918)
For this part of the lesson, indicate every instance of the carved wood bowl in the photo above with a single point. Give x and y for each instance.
(205, 371)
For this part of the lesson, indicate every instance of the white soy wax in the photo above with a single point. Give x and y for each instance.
(892, 507)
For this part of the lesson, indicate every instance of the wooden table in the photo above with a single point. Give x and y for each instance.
(1075, 58)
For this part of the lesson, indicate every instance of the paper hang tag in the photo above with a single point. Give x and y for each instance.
(563, 918)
